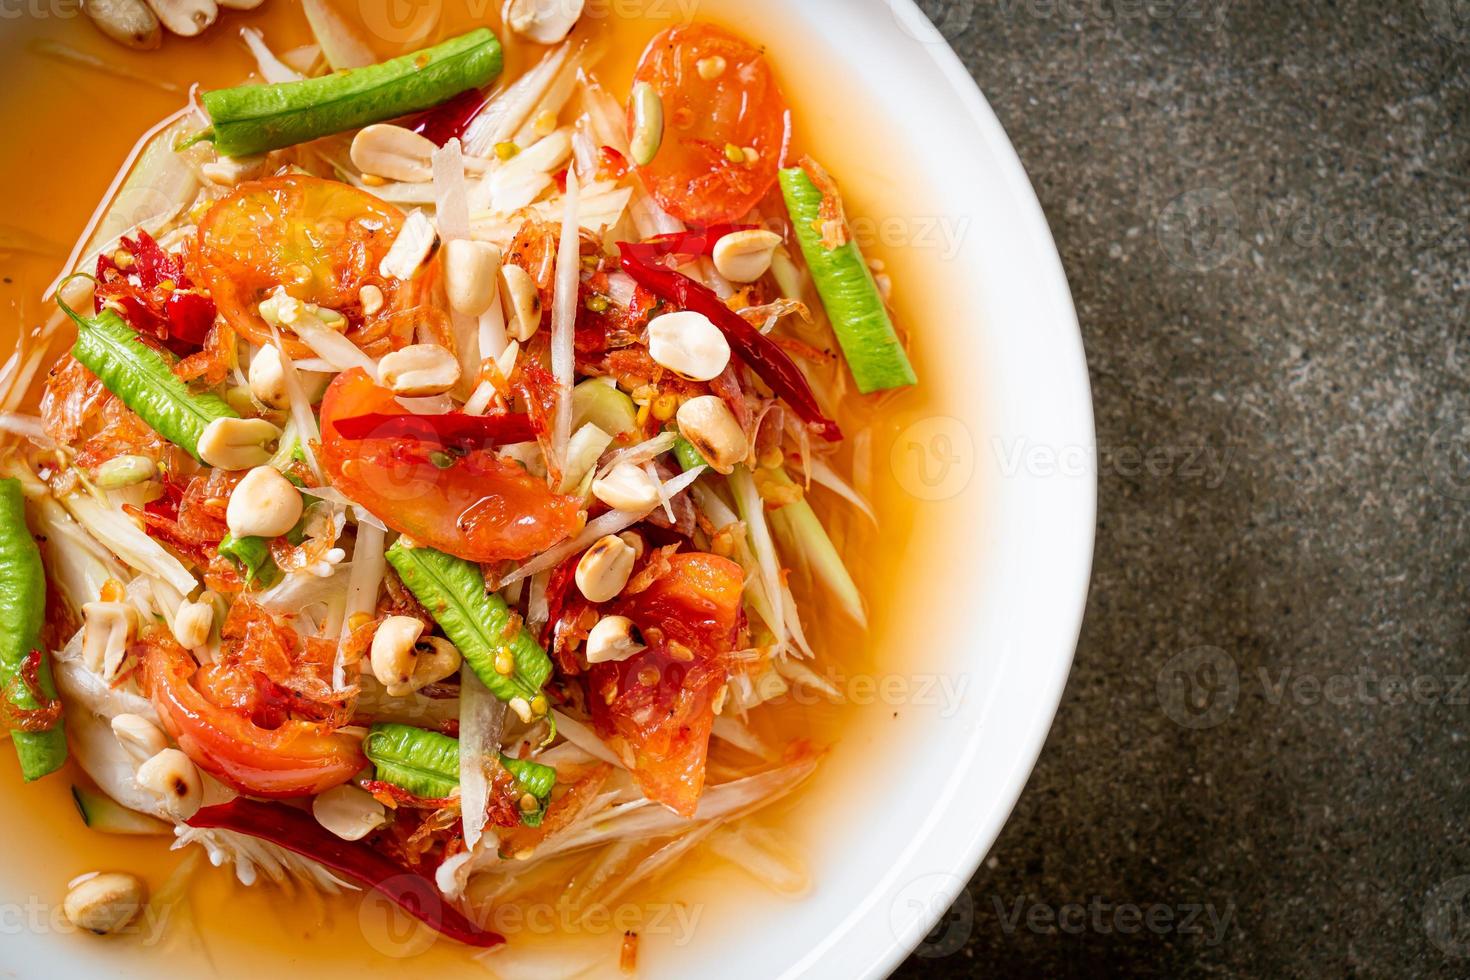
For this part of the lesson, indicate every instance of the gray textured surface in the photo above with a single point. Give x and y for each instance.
(1259, 766)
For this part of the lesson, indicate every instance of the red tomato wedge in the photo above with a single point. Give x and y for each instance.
(297, 758)
(707, 122)
(660, 703)
(472, 504)
(321, 239)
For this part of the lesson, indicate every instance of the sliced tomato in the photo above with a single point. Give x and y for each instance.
(471, 504)
(660, 703)
(707, 122)
(211, 714)
(321, 239)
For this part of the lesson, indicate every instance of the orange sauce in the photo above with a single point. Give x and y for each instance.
(71, 126)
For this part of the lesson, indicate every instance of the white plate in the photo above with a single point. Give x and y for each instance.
(1000, 562)
(999, 450)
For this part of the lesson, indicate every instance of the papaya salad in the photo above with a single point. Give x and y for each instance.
(418, 504)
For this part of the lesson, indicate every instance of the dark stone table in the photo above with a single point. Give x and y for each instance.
(1259, 767)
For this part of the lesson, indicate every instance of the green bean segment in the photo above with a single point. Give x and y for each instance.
(22, 610)
(476, 621)
(869, 343)
(423, 762)
(143, 378)
(251, 119)
(426, 764)
(534, 778)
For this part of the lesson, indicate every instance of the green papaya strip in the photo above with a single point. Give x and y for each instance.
(423, 762)
(869, 343)
(808, 539)
(252, 119)
(453, 591)
(426, 763)
(143, 378)
(22, 610)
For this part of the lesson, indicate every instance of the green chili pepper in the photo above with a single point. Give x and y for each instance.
(253, 555)
(252, 119)
(423, 762)
(22, 609)
(534, 778)
(453, 591)
(859, 318)
(144, 379)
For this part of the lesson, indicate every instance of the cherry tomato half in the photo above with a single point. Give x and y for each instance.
(471, 504)
(298, 758)
(710, 121)
(321, 239)
(660, 702)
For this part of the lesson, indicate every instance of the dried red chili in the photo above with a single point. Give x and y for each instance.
(297, 831)
(764, 355)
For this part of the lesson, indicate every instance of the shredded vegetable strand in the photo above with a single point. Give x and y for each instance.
(481, 715)
(272, 69)
(307, 431)
(564, 322)
(368, 569)
(452, 215)
(824, 475)
(753, 513)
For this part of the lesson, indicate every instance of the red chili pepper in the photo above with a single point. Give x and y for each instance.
(155, 295)
(297, 831)
(151, 264)
(698, 242)
(449, 120)
(454, 430)
(763, 355)
(190, 316)
(611, 165)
